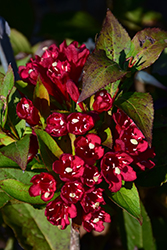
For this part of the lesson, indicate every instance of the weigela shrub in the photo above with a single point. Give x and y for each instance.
(97, 159)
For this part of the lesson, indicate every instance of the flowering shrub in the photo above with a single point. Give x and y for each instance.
(81, 147)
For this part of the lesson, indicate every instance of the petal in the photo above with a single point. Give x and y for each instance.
(128, 173)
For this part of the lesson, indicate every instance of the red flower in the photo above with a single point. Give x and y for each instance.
(103, 101)
(58, 212)
(56, 67)
(69, 167)
(122, 121)
(26, 110)
(92, 199)
(91, 176)
(43, 184)
(88, 148)
(94, 221)
(30, 72)
(72, 192)
(115, 168)
(79, 123)
(132, 141)
(143, 159)
(56, 125)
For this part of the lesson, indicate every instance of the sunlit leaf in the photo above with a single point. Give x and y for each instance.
(18, 151)
(113, 38)
(147, 46)
(41, 99)
(99, 71)
(19, 191)
(139, 107)
(127, 198)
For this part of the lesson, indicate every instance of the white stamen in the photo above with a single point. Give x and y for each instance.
(26, 105)
(61, 122)
(54, 64)
(72, 195)
(96, 205)
(91, 145)
(46, 195)
(117, 170)
(96, 220)
(96, 178)
(134, 141)
(30, 70)
(68, 170)
(74, 120)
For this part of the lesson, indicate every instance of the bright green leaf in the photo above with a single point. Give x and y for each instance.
(19, 191)
(41, 99)
(113, 39)
(147, 46)
(139, 107)
(128, 199)
(18, 151)
(137, 235)
(33, 230)
(16, 174)
(49, 149)
(5, 139)
(99, 71)
(109, 139)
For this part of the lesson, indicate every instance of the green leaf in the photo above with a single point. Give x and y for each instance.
(16, 125)
(5, 139)
(109, 139)
(41, 99)
(113, 39)
(19, 191)
(6, 84)
(147, 46)
(16, 174)
(139, 107)
(99, 71)
(33, 230)
(137, 235)
(4, 198)
(6, 162)
(49, 149)
(18, 151)
(128, 199)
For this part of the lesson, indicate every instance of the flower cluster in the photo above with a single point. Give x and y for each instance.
(80, 175)
(56, 67)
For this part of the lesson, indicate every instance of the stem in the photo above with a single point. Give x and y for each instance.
(75, 239)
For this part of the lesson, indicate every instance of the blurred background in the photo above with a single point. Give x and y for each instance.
(79, 19)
